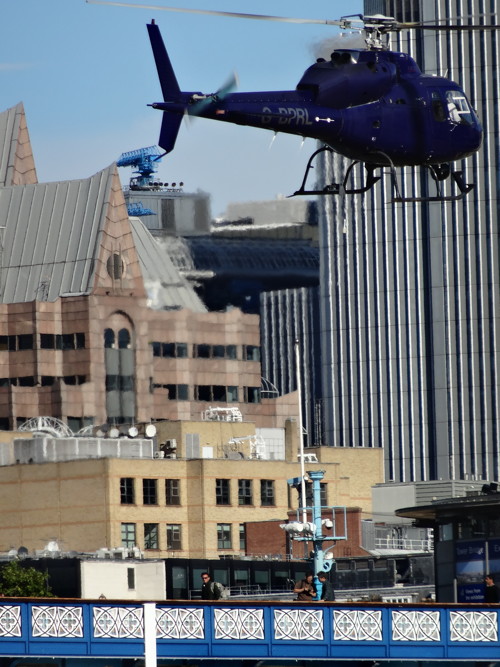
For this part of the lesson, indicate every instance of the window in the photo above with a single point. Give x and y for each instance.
(26, 381)
(109, 338)
(216, 392)
(124, 339)
(112, 382)
(170, 350)
(175, 392)
(182, 392)
(203, 393)
(224, 536)
(231, 352)
(243, 538)
(127, 491)
(127, 383)
(174, 541)
(222, 492)
(128, 535)
(47, 341)
(181, 350)
(232, 394)
(267, 492)
(251, 394)
(149, 494)
(172, 492)
(245, 492)
(131, 578)
(68, 342)
(252, 353)
(323, 488)
(151, 536)
(458, 108)
(219, 393)
(202, 351)
(25, 342)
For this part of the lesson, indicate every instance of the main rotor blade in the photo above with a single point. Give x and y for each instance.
(212, 12)
(454, 27)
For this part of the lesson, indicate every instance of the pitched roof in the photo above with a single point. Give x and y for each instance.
(50, 237)
(17, 166)
(166, 287)
(75, 237)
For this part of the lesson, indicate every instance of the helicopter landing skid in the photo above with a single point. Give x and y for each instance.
(337, 188)
(457, 176)
(439, 174)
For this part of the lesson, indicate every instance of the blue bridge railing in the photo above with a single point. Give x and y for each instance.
(236, 629)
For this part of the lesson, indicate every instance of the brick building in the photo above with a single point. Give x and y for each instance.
(120, 495)
(96, 324)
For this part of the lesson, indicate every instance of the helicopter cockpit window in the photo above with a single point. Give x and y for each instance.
(459, 111)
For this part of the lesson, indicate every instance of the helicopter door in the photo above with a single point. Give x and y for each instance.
(437, 122)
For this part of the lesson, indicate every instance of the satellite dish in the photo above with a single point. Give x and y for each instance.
(133, 432)
(22, 552)
(114, 432)
(150, 431)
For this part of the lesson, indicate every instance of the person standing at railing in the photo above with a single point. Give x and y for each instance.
(491, 590)
(305, 589)
(327, 592)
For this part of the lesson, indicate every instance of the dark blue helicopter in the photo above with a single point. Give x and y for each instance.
(372, 105)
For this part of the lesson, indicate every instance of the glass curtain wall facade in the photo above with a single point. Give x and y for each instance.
(286, 316)
(410, 292)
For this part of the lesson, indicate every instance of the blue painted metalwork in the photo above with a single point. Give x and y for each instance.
(239, 630)
(144, 160)
(137, 209)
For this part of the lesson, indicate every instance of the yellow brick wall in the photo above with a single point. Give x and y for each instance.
(78, 503)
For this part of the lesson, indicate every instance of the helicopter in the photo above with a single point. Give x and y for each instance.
(372, 105)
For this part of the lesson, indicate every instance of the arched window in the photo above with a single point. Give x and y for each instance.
(124, 339)
(109, 338)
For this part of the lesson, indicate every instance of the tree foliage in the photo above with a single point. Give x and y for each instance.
(19, 581)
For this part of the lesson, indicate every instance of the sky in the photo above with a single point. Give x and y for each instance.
(86, 74)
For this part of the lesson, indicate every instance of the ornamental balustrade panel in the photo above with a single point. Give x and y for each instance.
(234, 629)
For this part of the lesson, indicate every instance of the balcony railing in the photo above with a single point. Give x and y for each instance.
(192, 630)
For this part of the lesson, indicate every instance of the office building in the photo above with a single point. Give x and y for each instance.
(410, 292)
(97, 325)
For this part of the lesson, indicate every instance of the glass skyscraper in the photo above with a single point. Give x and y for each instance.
(410, 298)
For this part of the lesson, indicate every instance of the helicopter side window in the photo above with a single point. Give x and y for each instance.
(459, 111)
(438, 108)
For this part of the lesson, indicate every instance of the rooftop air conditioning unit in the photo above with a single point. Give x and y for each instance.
(171, 444)
(159, 455)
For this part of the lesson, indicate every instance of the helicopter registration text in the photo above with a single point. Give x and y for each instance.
(287, 116)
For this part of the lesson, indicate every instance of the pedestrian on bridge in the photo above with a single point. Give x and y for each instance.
(305, 589)
(210, 590)
(491, 590)
(327, 592)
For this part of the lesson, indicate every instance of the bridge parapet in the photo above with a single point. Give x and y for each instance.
(235, 629)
